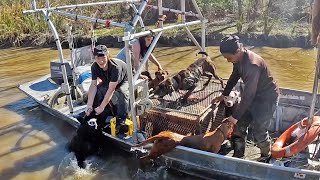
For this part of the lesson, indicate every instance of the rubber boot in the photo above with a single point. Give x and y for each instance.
(226, 147)
(265, 154)
(239, 145)
(121, 127)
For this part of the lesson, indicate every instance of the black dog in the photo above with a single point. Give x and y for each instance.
(188, 79)
(88, 139)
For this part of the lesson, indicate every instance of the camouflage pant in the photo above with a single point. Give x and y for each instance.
(258, 117)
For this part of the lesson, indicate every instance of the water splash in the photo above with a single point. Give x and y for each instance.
(140, 149)
(69, 169)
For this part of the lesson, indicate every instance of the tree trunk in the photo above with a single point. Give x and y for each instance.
(253, 15)
(240, 16)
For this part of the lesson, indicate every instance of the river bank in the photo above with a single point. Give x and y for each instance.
(173, 40)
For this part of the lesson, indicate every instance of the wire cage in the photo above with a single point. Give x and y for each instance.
(195, 116)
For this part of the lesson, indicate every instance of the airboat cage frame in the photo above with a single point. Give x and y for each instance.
(129, 35)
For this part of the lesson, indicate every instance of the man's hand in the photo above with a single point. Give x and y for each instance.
(217, 99)
(89, 110)
(99, 110)
(232, 120)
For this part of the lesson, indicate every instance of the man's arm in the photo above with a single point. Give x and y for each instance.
(136, 56)
(91, 94)
(107, 97)
(232, 81)
(154, 60)
(250, 89)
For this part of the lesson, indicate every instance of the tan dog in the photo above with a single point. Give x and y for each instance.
(315, 21)
(159, 77)
(165, 141)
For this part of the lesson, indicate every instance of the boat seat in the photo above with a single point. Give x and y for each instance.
(83, 74)
(56, 71)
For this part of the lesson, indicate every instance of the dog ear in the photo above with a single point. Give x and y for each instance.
(168, 82)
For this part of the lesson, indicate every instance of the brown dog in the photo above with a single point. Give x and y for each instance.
(159, 77)
(188, 79)
(165, 141)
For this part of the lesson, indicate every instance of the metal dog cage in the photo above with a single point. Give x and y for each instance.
(197, 116)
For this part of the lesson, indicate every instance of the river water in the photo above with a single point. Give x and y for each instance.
(33, 143)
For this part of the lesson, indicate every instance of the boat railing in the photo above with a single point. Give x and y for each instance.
(129, 34)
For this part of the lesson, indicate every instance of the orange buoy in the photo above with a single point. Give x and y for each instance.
(278, 149)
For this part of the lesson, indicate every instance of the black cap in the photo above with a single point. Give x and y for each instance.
(229, 44)
(100, 50)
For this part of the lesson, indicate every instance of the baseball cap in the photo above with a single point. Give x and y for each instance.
(229, 44)
(100, 50)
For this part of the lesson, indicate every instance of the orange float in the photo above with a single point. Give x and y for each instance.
(278, 149)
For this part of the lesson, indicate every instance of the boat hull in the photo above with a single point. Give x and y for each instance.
(200, 163)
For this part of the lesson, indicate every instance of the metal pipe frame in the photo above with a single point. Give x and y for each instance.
(91, 19)
(175, 11)
(193, 39)
(79, 5)
(140, 34)
(203, 34)
(47, 4)
(140, 19)
(133, 23)
(203, 26)
(127, 37)
(131, 88)
(71, 48)
(33, 5)
(315, 86)
(160, 4)
(197, 9)
(183, 10)
(160, 8)
(65, 86)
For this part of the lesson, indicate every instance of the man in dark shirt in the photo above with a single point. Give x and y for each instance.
(109, 84)
(258, 100)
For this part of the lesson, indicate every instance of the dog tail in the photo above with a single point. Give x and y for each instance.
(150, 140)
(203, 53)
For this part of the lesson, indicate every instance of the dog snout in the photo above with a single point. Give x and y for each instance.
(229, 103)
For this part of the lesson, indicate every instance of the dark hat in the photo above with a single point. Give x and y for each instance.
(100, 50)
(229, 44)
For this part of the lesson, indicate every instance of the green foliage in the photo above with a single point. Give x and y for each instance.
(14, 26)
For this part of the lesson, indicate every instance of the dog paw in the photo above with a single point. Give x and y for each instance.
(82, 164)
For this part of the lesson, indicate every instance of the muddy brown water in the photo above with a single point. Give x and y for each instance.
(33, 142)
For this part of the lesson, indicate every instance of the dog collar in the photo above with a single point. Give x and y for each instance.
(224, 136)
